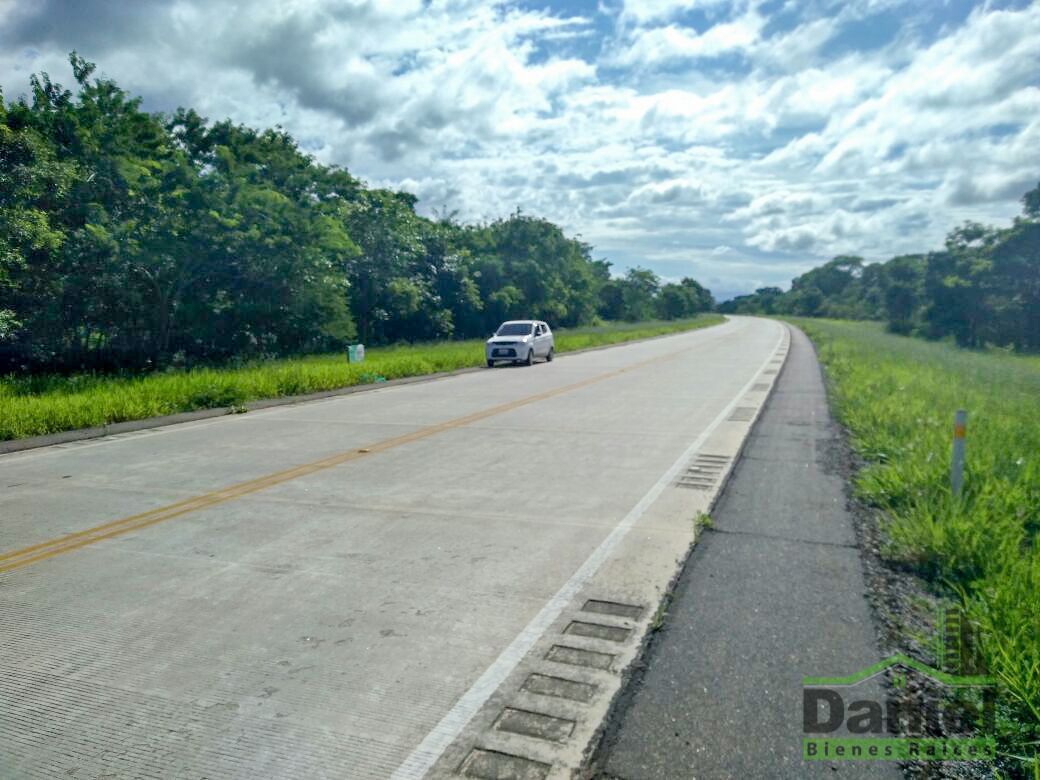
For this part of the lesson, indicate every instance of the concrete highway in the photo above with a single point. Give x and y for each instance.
(437, 578)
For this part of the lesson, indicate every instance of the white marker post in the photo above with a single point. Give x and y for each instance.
(960, 427)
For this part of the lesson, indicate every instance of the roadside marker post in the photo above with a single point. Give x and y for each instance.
(960, 426)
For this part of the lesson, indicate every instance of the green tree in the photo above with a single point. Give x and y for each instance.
(684, 299)
(905, 276)
(639, 290)
(136, 240)
(33, 186)
(1015, 286)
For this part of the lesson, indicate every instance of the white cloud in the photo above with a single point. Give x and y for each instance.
(644, 11)
(625, 127)
(659, 45)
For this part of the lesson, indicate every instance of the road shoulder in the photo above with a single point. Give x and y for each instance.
(772, 593)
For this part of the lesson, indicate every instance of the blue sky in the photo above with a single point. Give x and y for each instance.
(741, 143)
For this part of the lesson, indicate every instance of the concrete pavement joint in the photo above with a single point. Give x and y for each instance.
(776, 537)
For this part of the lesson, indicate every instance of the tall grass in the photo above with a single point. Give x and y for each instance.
(897, 397)
(36, 405)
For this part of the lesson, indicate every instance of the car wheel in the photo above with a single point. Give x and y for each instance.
(491, 364)
(530, 357)
(549, 357)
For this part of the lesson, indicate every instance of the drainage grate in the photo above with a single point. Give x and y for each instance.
(597, 631)
(493, 765)
(761, 387)
(704, 472)
(534, 724)
(615, 608)
(576, 656)
(743, 413)
(559, 687)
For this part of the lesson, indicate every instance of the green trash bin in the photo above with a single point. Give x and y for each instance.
(355, 353)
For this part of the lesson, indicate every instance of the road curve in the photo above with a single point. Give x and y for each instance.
(376, 585)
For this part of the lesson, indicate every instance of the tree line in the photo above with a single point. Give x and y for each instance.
(136, 240)
(982, 288)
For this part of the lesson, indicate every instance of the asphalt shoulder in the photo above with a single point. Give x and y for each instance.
(773, 592)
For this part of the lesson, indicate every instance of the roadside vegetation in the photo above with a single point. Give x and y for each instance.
(39, 404)
(133, 241)
(982, 288)
(897, 397)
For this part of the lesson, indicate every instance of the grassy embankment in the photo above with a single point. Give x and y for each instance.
(32, 406)
(897, 397)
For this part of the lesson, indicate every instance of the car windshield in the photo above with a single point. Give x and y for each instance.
(515, 329)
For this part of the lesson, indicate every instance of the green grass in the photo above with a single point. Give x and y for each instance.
(897, 397)
(37, 405)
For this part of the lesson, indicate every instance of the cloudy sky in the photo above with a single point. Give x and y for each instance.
(737, 142)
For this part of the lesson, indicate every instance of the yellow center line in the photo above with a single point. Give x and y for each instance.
(25, 556)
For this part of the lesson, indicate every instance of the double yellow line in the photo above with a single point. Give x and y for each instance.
(27, 556)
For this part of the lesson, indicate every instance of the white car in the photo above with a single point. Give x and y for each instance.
(520, 341)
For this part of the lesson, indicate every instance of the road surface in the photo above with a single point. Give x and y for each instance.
(435, 578)
(781, 554)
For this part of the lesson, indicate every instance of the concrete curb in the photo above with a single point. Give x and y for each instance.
(130, 426)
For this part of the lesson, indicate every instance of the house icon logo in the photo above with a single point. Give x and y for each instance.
(902, 709)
